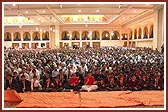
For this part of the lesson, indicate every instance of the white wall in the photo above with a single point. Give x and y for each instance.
(112, 42)
(145, 44)
(7, 44)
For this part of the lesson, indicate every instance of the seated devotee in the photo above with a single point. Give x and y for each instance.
(62, 78)
(156, 83)
(34, 73)
(74, 82)
(24, 84)
(111, 84)
(48, 85)
(121, 83)
(101, 85)
(89, 83)
(44, 78)
(15, 76)
(100, 62)
(54, 72)
(144, 83)
(35, 85)
(58, 86)
(69, 72)
(133, 84)
(23, 72)
(11, 83)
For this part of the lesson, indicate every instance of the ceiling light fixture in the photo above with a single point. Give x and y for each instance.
(86, 25)
(60, 5)
(119, 6)
(134, 10)
(51, 29)
(97, 10)
(43, 11)
(26, 12)
(79, 10)
(14, 4)
(36, 29)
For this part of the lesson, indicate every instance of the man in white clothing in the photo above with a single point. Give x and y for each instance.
(35, 85)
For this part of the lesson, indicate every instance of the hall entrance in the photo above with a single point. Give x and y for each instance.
(15, 45)
(25, 45)
(85, 44)
(34, 45)
(96, 44)
(125, 44)
(61, 45)
(75, 45)
(48, 45)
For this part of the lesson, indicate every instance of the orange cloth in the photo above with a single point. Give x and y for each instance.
(11, 96)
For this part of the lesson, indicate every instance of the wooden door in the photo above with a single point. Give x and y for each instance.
(47, 45)
(85, 44)
(25, 45)
(96, 44)
(61, 44)
(15, 45)
(125, 44)
(75, 45)
(133, 44)
(34, 45)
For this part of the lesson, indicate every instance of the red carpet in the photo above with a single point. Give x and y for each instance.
(88, 99)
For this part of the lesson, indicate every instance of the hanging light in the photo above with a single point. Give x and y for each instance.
(112, 33)
(106, 34)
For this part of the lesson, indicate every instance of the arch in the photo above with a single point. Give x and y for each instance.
(135, 34)
(124, 36)
(7, 36)
(75, 35)
(105, 35)
(130, 35)
(85, 35)
(65, 35)
(116, 35)
(36, 36)
(139, 33)
(45, 35)
(17, 36)
(95, 35)
(145, 33)
(26, 36)
(151, 32)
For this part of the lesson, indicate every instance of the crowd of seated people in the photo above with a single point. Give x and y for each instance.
(84, 69)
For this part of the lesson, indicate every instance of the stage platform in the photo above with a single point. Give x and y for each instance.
(112, 99)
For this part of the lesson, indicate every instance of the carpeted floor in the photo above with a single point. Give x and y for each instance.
(114, 99)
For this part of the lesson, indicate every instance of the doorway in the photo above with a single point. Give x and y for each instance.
(96, 44)
(34, 45)
(85, 44)
(25, 45)
(15, 45)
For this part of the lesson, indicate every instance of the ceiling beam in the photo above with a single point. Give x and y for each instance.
(56, 17)
(42, 16)
(8, 8)
(120, 14)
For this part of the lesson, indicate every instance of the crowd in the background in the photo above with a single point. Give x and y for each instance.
(84, 69)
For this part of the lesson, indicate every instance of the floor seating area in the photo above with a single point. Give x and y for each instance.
(113, 99)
